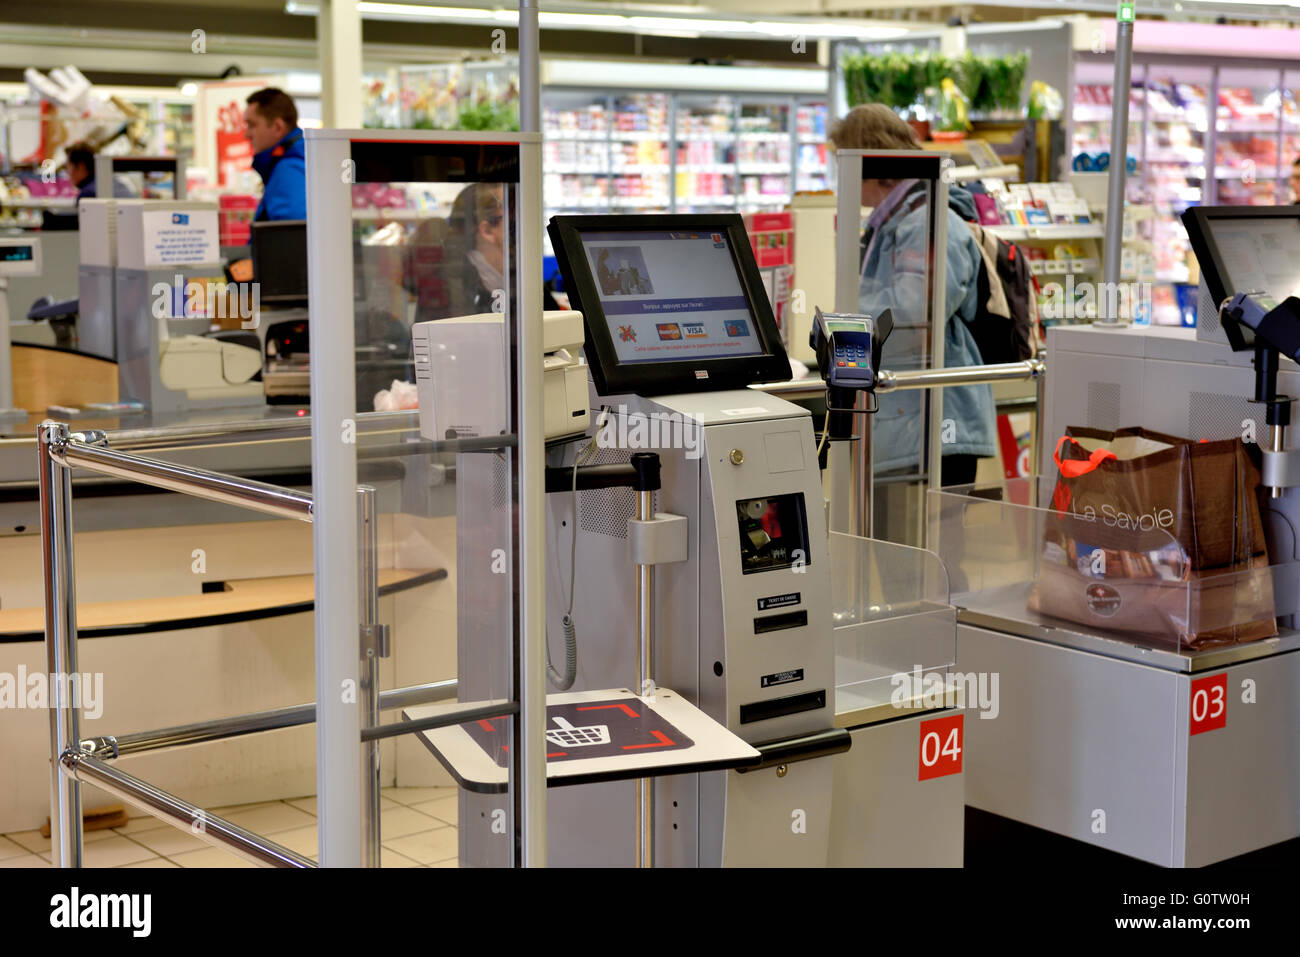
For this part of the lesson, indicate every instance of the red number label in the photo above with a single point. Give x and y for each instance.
(1209, 703)
(941, 744)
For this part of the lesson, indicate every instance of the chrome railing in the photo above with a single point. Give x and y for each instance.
(74, 760)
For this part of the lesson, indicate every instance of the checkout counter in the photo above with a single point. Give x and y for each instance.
(1147, 741)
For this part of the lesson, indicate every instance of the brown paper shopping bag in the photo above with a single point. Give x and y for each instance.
(1158, 536)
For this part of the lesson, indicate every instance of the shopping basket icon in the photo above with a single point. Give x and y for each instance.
(567, 736)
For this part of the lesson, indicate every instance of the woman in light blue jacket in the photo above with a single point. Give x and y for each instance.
(894, 273)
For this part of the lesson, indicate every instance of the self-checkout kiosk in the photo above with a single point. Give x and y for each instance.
(755, 612)
(1160, 751)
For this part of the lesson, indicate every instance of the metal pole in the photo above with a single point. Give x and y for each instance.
(887, 381)
(848, 235)
(60, 642)
(373, 647)
(530, 692)
(530, 78)
(111, 746)
(1108, 302)
(339, 771)
(860, 478)
(645, 582)
(1040, 420)
(216, 487)
(938, 331)
(79, 766)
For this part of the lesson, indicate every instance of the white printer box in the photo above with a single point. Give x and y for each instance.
(460, 373)
(155, 234)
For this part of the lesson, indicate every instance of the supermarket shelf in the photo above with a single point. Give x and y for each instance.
(636, 136)
(579, 204)
(575, 136)
(707, 167)
(1061, 267)
(640, 169)
(1262, 172)
(706, 137)
(765, 136)
(1048, 231)
(707, 200)
(812, 138)
(1097, 113)
(577, 169)
(655, 202)
(46, 202)
(782, 169)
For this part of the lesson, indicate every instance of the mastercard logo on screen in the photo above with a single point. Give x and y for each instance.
(669, 330)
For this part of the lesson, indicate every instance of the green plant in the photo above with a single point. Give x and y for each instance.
(968, 74)
(1006, 78)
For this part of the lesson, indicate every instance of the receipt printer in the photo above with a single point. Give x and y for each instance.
(211, 367)
(460, 372)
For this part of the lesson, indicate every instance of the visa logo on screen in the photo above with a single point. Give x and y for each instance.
(695, 330)
(180, 219)
(669, 330)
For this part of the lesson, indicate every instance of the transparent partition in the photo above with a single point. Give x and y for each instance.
(896, 233)
(1018, 558)
(895, 631)
(435, 234)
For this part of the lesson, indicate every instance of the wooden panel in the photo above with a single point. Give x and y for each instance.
(44, 377)
(285, 594)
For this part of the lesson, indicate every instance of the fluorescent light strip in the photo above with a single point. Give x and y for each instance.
(637, 23)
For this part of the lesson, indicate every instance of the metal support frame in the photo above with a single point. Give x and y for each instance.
(374, 645)
(334, 457)
(853, 166)
(1114, 241)
(73, 760)
(645, 617)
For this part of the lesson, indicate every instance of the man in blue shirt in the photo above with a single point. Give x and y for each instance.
(271, 126)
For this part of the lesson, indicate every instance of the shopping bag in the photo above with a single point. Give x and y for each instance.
(1159, 536)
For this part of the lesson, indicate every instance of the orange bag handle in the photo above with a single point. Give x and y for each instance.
(1074, 468)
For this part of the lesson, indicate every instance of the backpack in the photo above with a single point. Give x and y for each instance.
(1001, 338)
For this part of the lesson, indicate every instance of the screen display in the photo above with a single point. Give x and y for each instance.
(846, 325)
(1260, 255)
(773, 532)
(671, 296)
(17, 254)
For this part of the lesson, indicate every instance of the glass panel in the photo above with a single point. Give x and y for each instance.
(897, 274)
(892, 619)
(706, 154)
(1101, 576)
(429, 252)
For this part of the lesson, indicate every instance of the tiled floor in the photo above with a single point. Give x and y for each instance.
(418, 827)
